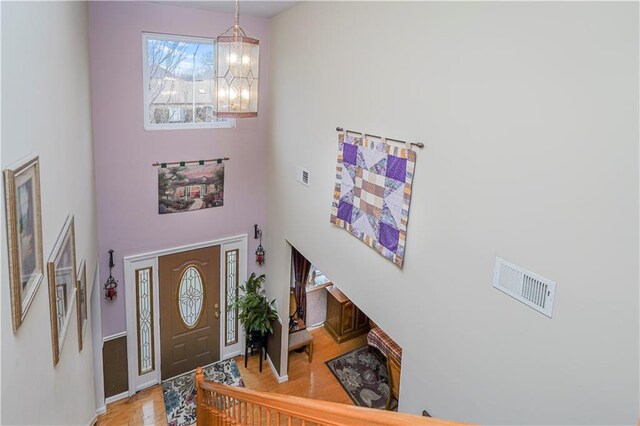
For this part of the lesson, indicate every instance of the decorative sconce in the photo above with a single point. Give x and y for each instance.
(236, 78)
(110, 286)
(257, 233)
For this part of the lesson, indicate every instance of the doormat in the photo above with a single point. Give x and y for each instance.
(363, 374)
(179, 393)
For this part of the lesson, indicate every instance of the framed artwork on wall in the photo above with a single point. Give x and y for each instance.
(188, 188)
(61, 269)
(81, 294)
(24, 235)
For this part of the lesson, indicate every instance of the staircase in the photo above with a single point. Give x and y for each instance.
(219, 405)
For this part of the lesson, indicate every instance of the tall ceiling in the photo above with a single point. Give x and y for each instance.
(262, 8)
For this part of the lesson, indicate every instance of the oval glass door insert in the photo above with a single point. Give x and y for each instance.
(190, 297)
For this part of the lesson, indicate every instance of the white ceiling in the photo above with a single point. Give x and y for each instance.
(263, 8)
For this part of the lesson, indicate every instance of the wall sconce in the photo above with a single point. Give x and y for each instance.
(257, 233)
(110, 286)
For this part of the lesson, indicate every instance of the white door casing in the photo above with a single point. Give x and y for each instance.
(150, 260)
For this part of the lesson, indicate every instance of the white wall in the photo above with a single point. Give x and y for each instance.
(46, 111)
(530, 116)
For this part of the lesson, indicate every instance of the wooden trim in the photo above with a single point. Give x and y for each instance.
(18, 308)
(115, 355)
(68, 229)
(312, 288)
(81, 276)
(308, 410)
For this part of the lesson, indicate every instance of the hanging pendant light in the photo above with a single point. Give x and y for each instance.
(237, 63)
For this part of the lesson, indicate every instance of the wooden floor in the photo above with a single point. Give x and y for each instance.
(311, 380)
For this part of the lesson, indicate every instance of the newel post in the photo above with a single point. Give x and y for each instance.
(200, 408)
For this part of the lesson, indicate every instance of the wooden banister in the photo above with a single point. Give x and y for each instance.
(219, 404)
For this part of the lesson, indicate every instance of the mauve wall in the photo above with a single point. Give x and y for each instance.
(126, 183)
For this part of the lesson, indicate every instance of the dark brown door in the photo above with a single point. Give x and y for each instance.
(189, 310)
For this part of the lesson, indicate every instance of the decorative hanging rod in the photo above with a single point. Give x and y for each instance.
(182, 163)
(418, 144)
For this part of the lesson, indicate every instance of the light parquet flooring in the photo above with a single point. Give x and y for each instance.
(310, 380)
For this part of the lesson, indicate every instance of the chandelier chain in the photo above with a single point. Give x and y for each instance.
(237, 14)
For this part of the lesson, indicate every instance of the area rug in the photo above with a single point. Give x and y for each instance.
(180, 392)
(363, 374)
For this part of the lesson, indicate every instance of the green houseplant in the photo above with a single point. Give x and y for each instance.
(255, 311)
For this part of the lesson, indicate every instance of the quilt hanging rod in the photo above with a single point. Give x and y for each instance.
(418, 144)
(182, 163)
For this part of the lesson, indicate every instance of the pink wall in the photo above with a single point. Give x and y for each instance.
(126, 182)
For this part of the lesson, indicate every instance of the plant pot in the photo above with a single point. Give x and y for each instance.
(256, 339)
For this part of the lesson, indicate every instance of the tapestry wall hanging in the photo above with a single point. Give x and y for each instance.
(190, 187)
(373, 193)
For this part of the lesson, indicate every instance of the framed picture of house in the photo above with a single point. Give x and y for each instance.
(24, 235)
(81, 295)
(189, 188)
(61, 269)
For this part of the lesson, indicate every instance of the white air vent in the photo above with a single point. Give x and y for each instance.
(303, 176)
(527, 287)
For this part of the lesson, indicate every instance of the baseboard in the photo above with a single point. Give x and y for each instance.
(148, 384)
(117, 397)
(280, 379)
(93, 420)
(231, 355)
(101, 410)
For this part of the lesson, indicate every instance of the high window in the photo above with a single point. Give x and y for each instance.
(179, 83)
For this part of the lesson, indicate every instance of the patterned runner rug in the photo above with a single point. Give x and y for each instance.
(363, 375)
(180, 392)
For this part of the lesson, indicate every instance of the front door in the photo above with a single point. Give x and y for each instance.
(189, 310)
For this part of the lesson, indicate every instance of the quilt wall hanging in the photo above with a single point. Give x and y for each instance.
(183, 187)
(372, 194)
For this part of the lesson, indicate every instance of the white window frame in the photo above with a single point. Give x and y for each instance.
(229, 123)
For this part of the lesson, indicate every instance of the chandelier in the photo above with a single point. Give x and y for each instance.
(237, 73)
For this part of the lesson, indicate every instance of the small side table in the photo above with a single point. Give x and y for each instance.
(297, 326)
(259, 344)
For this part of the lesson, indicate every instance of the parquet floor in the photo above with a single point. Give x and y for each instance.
(311, 380)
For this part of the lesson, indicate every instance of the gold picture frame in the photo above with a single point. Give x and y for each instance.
(82, 308)
(61, 269)
(24, 235)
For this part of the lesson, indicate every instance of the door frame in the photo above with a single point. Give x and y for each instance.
(150, 259)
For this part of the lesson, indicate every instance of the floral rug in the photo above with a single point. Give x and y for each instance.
(180, 392)
(363, 374)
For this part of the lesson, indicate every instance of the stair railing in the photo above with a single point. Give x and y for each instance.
(219, 405)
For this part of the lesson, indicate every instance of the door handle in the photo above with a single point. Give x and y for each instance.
(216, 314)
(216, 306)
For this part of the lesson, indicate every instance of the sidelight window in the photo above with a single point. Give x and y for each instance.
(231, 295)
(144, 312)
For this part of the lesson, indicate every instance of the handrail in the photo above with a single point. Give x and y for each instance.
(219, 404)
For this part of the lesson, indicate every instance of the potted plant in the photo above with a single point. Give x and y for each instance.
(255, 311)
